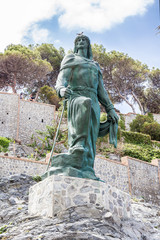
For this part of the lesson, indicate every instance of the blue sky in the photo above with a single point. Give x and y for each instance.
(128, 26)
(123, 25)
(136, 35)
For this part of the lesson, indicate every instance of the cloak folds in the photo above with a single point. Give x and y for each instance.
(83, 76)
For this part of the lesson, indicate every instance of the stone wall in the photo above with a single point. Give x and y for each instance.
(19, 119)
(144, 179)
(8, 115)
(156, 117)
(137, 177)
(34, 116)
(112, 172)
(12, 165)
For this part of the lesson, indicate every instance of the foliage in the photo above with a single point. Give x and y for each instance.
(142, 152)
(42, 141)
(3, 229)
(152, 94)
(4, 142)
(135, 137)
(48, 95)
(137, 124)
(124, 77)
(121, 122)
(105, 150)
(37, 178)
(100, 141)
(153, 129)
(156, 144)
(119, 135)
(103, 117)
(53, 56)
(21, 67)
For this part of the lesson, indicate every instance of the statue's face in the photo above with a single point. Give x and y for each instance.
(81, 43)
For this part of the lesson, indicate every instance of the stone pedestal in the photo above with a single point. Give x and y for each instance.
(57, 193)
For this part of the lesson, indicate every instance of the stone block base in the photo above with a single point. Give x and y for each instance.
(57, 193)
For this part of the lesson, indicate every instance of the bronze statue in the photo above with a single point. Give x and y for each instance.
(80, 82)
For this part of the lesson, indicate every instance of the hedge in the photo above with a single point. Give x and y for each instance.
(135, 138)
(155, 144)
(153, 129)
(4, 142)
(121, 122)
(145, 153)
(137, 124)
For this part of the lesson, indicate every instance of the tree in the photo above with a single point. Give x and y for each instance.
(124, 78)
(152, 94)
(53, 56)
(48, 95)
(20, 67)
(158, 29)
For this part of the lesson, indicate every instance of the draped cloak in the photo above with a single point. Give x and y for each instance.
(83, 76)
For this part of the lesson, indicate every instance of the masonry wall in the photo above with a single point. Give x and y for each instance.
(128, 119)
(8, 115)
(113, 173)
(157, 117)
(34, 116)
(19, 119)
(12, 165)
(136, 177)
(144, 180)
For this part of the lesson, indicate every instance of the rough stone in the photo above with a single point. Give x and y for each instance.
(51, 200)
(143, 225)
(31, 116)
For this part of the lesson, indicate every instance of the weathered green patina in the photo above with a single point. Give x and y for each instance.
(80, 81)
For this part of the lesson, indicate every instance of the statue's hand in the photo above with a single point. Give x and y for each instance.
(113, 116)
(66, 92)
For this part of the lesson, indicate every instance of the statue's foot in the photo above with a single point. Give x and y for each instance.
(77, 149)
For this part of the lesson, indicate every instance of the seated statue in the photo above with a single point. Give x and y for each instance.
(80, 82)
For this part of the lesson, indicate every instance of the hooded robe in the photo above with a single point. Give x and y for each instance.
(83, 76)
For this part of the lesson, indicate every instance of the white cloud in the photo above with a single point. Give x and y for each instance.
(39, 35)
(20, 17)
(99, 15)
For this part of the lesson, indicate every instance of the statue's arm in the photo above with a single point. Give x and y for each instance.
(103, 95)
(105, 101)
(63, 82)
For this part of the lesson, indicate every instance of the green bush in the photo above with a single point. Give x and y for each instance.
(42, 142)
(142, 152)
(155, 144)
(153, 129)
(4, 142)
(137, 124)
(37, 178)
(119, 134)
(135, 138)
(121, 122)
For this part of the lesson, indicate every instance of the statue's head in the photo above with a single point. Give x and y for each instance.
(89, 50)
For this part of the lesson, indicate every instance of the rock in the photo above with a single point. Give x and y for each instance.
(76, 223)
(108, 215)
(114, 157)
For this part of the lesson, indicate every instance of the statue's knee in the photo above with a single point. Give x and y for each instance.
(87, 102)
